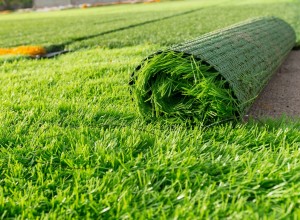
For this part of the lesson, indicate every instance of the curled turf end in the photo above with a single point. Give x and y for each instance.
(24, 50)
(180, 88)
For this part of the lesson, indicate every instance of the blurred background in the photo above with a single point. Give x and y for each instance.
(36, 4)
(15, 4)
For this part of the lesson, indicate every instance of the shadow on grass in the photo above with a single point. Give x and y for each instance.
(297, 46)
(61, 46)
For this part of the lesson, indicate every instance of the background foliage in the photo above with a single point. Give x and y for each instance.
(15, 4)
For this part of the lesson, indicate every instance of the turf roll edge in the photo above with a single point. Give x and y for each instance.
(215, 77)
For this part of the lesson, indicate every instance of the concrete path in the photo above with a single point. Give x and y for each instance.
(282, 94)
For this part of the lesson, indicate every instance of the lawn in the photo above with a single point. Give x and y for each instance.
(74, 146)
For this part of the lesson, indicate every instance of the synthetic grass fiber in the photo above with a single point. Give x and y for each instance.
(215, 77)
(73, 146)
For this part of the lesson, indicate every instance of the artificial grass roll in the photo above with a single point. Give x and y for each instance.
(179, 87)
(215, 77)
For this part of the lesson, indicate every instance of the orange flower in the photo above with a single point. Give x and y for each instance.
(84, 6)
(23, 50)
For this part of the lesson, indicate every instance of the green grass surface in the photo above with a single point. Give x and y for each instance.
(64, 28)
(72, 144)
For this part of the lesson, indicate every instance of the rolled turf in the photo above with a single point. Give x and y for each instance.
(215, 77)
